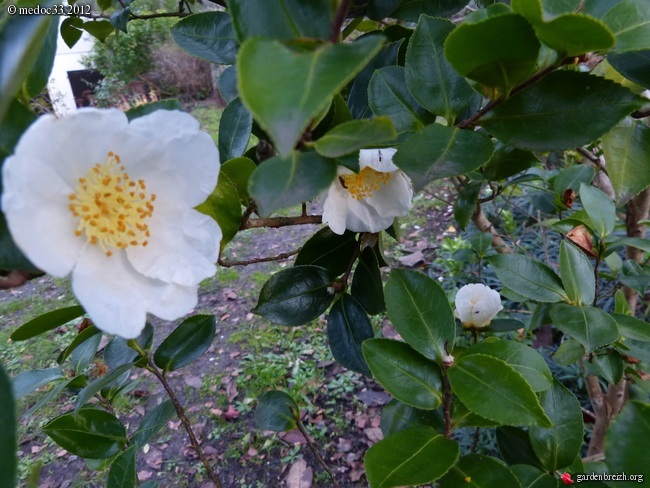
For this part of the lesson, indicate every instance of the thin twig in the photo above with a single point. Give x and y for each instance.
(246, 262)
(134, 16)
(314, 451)
(475, 440)
(276, 222)
(339, 19)
(447, 404)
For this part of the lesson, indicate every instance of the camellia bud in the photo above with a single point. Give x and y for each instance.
(476, 305)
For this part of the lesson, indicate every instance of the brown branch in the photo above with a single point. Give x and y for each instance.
(637, 211)
(316, 454)
(599, 405)
(246, 262)
(276, 222)
(484, 225)
(339, 18)
(446, 404)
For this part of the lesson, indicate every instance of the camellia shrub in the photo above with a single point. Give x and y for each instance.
(361, 104)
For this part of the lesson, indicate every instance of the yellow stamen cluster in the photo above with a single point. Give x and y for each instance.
(111, 207)
(365, 183)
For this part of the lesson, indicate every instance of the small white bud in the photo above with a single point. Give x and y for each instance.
(476, 305)
(447, 360)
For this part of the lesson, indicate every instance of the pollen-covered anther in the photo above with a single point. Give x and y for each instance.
(365, 183)
(109, 215)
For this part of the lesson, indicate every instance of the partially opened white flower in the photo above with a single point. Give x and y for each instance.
(476, 305)
(112, 202)
(370, 200)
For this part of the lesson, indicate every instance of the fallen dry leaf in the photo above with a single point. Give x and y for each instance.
(300, 475)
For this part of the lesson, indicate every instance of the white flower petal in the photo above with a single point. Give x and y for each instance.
(362, 217)
(378, 159)
(182, 249)
(477, 305)
(394, 199)
(335, 208)
(35, 204)
(173, 301)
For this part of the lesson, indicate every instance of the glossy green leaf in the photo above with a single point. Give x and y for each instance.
(438, 152)
(493, 389)
(8, 433)
(46, 322)
(227, 84)
(625, 439)
(523, 359)
(572, 34)
(465, 204)
(570, 178)
(239, 171)
(630, 22)
(186, 342)
(429, 76)
(499, 52)
(632, 328)
(286, 20)
(483, 471)
(52, 393)
(148, 108)
(507, 161)
(296, 295)
(99, 384)
(223, 205)
(81, 357)
(556, 447)
(410, 457)
(388, 95)
(481, 242)
(514, 446)
(351, 136)
(531, 477)
(397, 416)
(505, 325)
(410, 10)
(100, 29)
(79, 339)
(234, 130)
(577, 275)
(328, 250)
(120, 18)
(283, 182)
(610, 366)
(347, 327)
(636, 242)
(155, 420)
(569, 352)
(409, 377)
(91, 433)
(367, 286)
(71, 30)
(303, 83)
(122, 473)
(620, 301)
(40, 72)
(276, 411)
(564, 110)
(207, 35)
(118, 352)
(600, 208)
(463, 417)
(635, 66)
(419, 310)
(592, 327)
(627, 152)
(531, 278)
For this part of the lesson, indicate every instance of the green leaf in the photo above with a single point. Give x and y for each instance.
(296, 295)
(439, 152)
(123, 470)
(223, 205)
(388, 95)
(228, 84)
(570, 178)
(397, 416)
(627, 152)
(234, 130)
(592, 327)
(600, 208)
(21, 39)
(410, 457)
(531, 279)
(303, 83)
(572, 34)
(625, 439)
(71, 30)
(498, 52)
(632, 328)
(276, 411)
(481, 242)
(491, 388)
(155, 420)
(556, 447)
(514, 446)
(462, 417)
(611, 366)
(429, 76)
(46, 322)
(51, 394)
(505, 325)
(283, 182)
(466, 202)
(82, 355)
(328, 250)
(408, 376)
(410, 10)
(8, 435)
(523, 359)
(149, 108)
(239, 171)
(286, 20)
(569, 352)
(120, 18)
(531, 477)
(79, 339)
(351, 136)
(483, 471)
(99, 384)
(564, 110)
(577, 275)
(29, 381)
(207, 35)
(347, 327)
(99, 29)
(186, 342)
(507, 161)
(635, 66)
(367, 287)
(620, 301)
(40, 72)
(91, 433)
(630, 22)
(419, 310)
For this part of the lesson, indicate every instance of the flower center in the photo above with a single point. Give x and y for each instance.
(112, 208)
(365, 183)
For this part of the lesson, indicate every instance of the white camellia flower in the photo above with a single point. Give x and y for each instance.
(112, 202)
(476, 305)
(368, 201)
